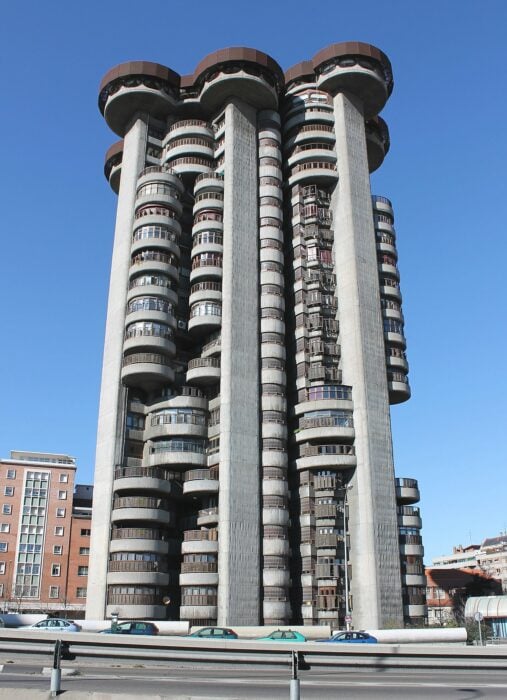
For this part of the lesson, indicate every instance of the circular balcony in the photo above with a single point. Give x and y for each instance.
(137, 612)
(205, 291)
(382, 205)
(198, 612)
(162, 199)
(312, 152)
(112, 165)
(191, 165)
(190, 128)
(208, 181)
(141, 508)
(198, 578)
(148, 342)
(199, 541)
(409, 517)
(276, 610)
(414, 611)
(209, 199)
(309, 116)
(326, 457)
(325, 427)
(179, 453)
(202, 147)
(390, 289)
(397, 362)
(320, 172)
(163, 245)
(377, 142)
(200, 481)
(279, 578)
(205, 317)
(137, 86)
(413, 579)
(146, 369)
(147, 289)
(145, 479)
(407, 491)
(399, 391)
(207, 516)
(203, 370)
(356, 68)
(167, 425)
(135, 578)
(137, 539)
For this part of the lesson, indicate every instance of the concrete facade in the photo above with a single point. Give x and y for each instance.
(254, 344)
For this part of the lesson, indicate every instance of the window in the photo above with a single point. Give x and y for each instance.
(85, 533)
(64, 478)
(80, 592)
(62, 495)
(60, 512)
(84, 550)
(9, 491)
(11, 473)
(4, 546)
(2, 567)
(54, 591)
(1, 589)
(57, 549)
(55, 569)
(6, 509)
(82, 571)
(5, 527)
(59, 531)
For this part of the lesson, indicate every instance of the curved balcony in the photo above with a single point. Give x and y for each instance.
(209, 181)
(390, 288)
(382, 205)
(137, 86)
(415, 611)
(323, 398)
(177, 147)
(320, 172)
(201, 481)
(311, 132)
(137, 342)
(152, 285)
(207, 516)
(312, 152)
(191, 165)
(145, 369)
(198, 578)
(199, 541)
(396, 362)
(138, 539)
(407, 491)
(141, 508)
(143, 578)
(309, 115)
(326, 457)
(168, 425)
(188, 128)
(205, 317)
(208, 199)
(205, 291)
(325, 427)
(180, 453)
(413, 579)
(145, 479)
(167, 245)
(399, 389)
(168, 199)
(409, 517)
(112, 165)
(356, 68)
(203, 370)
(377, 142)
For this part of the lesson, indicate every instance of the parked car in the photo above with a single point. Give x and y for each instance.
(283, 636)
(132, 627)
(54, 624)
(215, 633)
(351, 638)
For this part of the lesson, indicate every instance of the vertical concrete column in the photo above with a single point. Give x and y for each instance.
(374, 552)
(239, 511)
(110, 423)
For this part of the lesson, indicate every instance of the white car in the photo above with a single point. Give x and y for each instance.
(55, 624)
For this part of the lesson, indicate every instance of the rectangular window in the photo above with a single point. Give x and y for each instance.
(54, 591)
(5, 527)
(62, 495)
(6, 509)
(86, 533)
(2, 567)
(60, 512)
(64, 478)
(57, 549)
(55, 569)
(11, 473)
(80, 592)
(82, 571)
(59, 531)
(84, 550)
(9, 491)
(3, 547)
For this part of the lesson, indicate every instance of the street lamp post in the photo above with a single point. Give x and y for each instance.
(345, 553)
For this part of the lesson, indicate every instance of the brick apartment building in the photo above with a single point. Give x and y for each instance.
(45, 521)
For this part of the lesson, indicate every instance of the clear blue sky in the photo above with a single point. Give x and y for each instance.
(445, 175)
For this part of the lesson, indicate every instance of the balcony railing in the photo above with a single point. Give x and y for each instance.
(314, 450)
(202, 535)
(138, 566)
(199, 567)
(145, 358)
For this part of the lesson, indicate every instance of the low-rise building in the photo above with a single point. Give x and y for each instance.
(45, 521)
(447, 590)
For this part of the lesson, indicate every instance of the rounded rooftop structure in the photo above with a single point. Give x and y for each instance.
(356, 68)
(137, 86)
(241, 72)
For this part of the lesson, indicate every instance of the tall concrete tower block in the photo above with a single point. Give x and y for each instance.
(254, 343)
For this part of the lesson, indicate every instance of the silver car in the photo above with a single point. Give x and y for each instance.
(55, 624)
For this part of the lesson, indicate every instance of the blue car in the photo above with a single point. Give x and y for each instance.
(351, 638)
